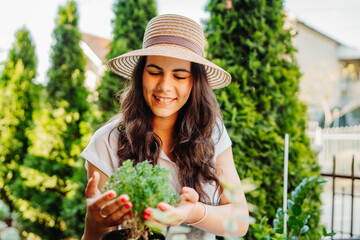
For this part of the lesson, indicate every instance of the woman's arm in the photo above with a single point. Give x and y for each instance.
(216, 215)
(190, 211)
(112, 209)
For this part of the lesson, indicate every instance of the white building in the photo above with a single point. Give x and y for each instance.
(95, 49)
(330, 82)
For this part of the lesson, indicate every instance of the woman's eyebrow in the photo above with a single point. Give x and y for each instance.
(181, 70)
(154, 66)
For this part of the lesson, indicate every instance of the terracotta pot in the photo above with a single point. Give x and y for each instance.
(123, 235)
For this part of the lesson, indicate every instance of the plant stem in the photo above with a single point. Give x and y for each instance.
(291, 233)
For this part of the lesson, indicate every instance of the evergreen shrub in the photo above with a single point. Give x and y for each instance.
(261, 105)
(131, 18)
(18, 99)
(50, 188)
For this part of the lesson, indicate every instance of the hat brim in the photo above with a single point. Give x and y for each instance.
(124, 65)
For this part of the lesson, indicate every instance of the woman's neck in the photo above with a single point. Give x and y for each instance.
(164, 128)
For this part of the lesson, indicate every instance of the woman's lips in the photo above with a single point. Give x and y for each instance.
(164, 100)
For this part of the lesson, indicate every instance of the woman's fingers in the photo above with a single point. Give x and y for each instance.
(95, 204)
(117, 217)
(108, 210)
(190, 194)
(104, 208)
(169, 215)
(113, 206)
(164, 206)
(92, 186)
(147, 213)
(166, 214)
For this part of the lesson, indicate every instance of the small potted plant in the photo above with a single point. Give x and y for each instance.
(147, 186)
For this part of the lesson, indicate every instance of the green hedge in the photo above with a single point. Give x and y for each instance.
(261, 104)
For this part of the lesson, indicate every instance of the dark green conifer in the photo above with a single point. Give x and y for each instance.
(261, 105)
(18, 98)
(67, 68)
(131, 18)
(23, 49)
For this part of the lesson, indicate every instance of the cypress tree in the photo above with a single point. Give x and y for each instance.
(261, 105)
(18, 98)
(23, 49)
(131, 18)
(53, 176)
(67, 68)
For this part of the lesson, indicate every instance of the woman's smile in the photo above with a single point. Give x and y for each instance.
(164, 100)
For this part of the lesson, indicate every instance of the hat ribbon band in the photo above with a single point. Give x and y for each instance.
(173, 40)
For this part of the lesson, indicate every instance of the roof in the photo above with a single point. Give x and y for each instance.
(348, 53)
(319, 32)
(344, 52)
(100, 46)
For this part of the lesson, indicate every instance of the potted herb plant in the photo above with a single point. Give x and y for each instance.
(147, 186)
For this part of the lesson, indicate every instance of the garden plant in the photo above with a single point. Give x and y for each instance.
(147, 186)
(298, 215)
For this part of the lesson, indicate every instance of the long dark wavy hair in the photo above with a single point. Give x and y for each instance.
(193, 149)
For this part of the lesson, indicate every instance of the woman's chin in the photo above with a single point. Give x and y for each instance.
(165, 115)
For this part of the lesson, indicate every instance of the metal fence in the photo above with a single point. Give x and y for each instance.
(339, 159)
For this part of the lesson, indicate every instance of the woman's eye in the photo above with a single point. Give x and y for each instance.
(154, 73)
(179, 77)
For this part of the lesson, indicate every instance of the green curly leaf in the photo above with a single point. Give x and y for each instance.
(146, 185)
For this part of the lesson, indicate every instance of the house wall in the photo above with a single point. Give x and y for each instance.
(319, 65)
(350, 89)
(95, 68)
(93, 75)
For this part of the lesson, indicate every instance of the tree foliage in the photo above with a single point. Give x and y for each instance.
(261, 104)
(50, 178)
(131, 18)
(22, 50)
(66, 72)
(17, 102)
(53, 177)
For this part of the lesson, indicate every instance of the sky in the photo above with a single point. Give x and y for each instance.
(338, 19)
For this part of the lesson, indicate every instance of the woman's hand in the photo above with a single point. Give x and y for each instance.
(103, 209)
(188, 211)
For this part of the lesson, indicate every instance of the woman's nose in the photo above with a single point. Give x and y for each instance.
(165, 83)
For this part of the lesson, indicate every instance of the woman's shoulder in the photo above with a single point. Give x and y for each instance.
(220, 137)
(108, 126)
(108, 132)
(102, 148)
(218, 129)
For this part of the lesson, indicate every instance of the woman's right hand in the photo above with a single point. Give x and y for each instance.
(103, 210)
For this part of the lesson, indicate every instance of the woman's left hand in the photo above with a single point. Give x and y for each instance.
(186, 212)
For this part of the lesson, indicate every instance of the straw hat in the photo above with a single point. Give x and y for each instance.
(175, 36)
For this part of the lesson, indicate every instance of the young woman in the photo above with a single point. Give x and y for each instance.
(169, 116)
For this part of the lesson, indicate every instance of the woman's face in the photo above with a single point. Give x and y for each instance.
(167, 84)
